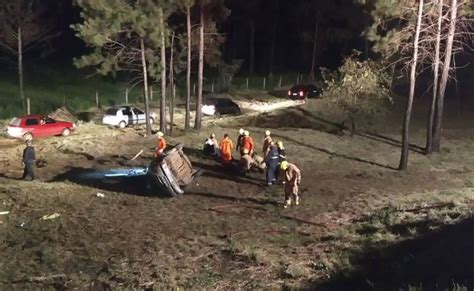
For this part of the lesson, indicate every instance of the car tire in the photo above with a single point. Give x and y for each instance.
(217, 114)
(28, 136)
(66, 132)
(122, 124)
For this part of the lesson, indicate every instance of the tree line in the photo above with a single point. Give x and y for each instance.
(151, 42)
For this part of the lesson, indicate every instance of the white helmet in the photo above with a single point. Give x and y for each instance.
(241, 131)
(246, 133)
(267, 133)
(159, 134)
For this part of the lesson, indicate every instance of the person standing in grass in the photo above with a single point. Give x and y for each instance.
(226, 146)
(240, 141)
(281, 151)
(267, 141)
(292, 181)
(272, 162)
(248, 145)
(28, 161)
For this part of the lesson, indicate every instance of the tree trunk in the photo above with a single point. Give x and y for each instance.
(429, 131)
(406, 124)
(171, 76)
(163, 73)
(145, 87)
(188, 70)
(20, 70)
(444, 78)
(173, 100)
(273, 40)
(197, 123)
(252, 47)
(313, 60)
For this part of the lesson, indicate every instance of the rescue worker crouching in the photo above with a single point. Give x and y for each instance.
(211, 146)
(292, 181)
(28, 161)
(226, 146)
(272, 161)
(161, 146)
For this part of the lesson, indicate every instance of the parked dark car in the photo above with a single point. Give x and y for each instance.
(171, 172)
(220, 106)
(300, 92)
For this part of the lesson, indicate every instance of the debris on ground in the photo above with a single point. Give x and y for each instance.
(51, 216)
(100, 195)
(4, 212)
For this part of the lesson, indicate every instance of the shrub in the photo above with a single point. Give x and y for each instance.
(359, 88)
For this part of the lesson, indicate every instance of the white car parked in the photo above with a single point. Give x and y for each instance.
(122, 116)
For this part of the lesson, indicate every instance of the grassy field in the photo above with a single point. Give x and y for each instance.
(361, 225)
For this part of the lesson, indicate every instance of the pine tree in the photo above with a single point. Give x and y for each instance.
(124, 36)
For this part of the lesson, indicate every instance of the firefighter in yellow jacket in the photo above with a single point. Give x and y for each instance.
(292, 181)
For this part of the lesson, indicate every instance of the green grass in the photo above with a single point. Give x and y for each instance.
(50, 88)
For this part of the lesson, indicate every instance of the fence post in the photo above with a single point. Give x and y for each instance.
(264, 83)
(194, 89)
(247, 83)
(279, 82)
(151, 93)
(64, 100)
(126, 96)
(28, 111)
(97, 98)
(212, 87)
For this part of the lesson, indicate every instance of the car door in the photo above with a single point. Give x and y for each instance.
(140, 115)
(128, 115)
(32, 125)
(51, 127)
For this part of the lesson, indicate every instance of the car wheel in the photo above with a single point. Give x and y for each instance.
(66, 132)
(122, 124)
(152, 120)
(28, 136)
(217, 114)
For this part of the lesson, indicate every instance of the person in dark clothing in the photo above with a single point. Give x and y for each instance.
(211, 146)
(272, 161)
(281, 155)
(28, 161)
(281, 151)
(240, 140)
